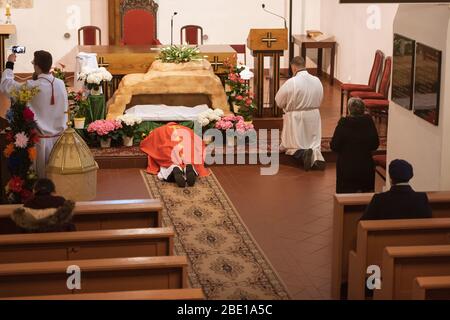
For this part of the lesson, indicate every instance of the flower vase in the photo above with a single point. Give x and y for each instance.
(105, 143)
(79, 123)
(128, 141)
(96, 91)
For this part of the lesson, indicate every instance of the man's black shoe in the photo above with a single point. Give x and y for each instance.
(307, 159)
(179, 177)
(320, 165)
(191, 176)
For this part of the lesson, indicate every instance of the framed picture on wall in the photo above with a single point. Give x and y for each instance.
(403, 71)
(427, 83)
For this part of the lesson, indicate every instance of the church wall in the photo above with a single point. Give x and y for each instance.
(426, 146)
(223, 21)
(360, 29)
(44, 26)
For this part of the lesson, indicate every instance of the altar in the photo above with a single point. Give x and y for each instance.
(124, 60)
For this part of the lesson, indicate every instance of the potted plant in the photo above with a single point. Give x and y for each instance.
(94, 78)
(179, 54)
(79, 105)
(233, 124)
(130, 125)
(105, 131)
(208, 120)
(238, 91)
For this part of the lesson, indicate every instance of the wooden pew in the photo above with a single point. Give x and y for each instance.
(431, 288)
(374, 236)
(401, 265)
(173, 294)
(104, 275)
(82, 245)
(101, 215)
(348, 210)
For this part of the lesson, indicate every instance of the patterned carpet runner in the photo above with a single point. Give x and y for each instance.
(224, 258)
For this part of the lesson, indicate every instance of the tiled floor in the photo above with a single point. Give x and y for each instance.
(289, 215)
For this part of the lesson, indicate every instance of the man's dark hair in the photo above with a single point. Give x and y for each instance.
(43, 60)
(44, 187)
(298, 62)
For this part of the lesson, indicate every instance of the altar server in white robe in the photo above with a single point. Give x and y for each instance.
(300, 98)
(49, 106)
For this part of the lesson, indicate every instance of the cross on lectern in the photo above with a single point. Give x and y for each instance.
(216, 63)
(269, 39)
(102, 63)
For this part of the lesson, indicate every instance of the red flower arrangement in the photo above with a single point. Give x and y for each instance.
(20, 150)
(238, 92)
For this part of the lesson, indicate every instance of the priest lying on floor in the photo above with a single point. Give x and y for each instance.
(175, 154)
(300, 98)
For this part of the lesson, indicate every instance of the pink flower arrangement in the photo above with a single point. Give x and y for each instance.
(21, 140)
(104, 128)
(234, 122)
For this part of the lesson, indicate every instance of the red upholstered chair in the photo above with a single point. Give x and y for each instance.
(385, 84)
(240, 49)
(138, 21)
(191, 34)
(89, 34)
(378, 108)
(347, 88)
(380, 161)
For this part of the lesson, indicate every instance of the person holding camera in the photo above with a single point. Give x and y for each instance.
(50, 106)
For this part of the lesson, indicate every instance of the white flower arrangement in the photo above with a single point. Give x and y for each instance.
(129, 120)
(129, 123)
(209, 117)
(93, 78)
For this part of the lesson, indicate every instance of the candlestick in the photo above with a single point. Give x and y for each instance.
(8, 14)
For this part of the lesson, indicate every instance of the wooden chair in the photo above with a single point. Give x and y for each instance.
(383, 89)
(190, 33)
(173, 294)
(431, 288)
(101, 215)
(86, 245)
(348, 210)
(347, 88)
(240, 49)
(374, 236)
(90, 36)
(401, 265)
(136, 23)
(104, 275)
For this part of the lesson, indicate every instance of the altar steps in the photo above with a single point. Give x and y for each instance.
(126, 158)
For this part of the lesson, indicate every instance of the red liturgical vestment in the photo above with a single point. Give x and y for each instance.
(173, 144)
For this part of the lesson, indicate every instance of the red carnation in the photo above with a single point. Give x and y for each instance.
(15, 184)
(28, 115)
(248, 102)
(239, 98)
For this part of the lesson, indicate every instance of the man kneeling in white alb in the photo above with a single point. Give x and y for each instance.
(300, 98)
(49, 106)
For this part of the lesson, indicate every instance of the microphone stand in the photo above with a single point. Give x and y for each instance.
(171, 28)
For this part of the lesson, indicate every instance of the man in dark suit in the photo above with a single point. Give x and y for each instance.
(401, 202)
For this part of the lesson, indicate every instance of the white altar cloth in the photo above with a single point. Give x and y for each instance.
(167, 113)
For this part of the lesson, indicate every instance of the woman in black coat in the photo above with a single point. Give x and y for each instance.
(354, 140)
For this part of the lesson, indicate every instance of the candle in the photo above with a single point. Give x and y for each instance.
(8, 9)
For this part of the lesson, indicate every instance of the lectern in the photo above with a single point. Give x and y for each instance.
(5, 31)
(267, 43)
